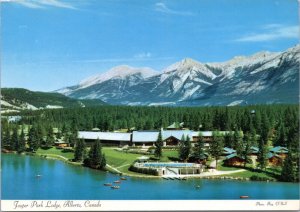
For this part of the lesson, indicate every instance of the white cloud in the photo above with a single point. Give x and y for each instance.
(40, 4)
(162, 7)
(143, 55)
(272, 32)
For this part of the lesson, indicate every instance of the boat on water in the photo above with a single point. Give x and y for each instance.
(117, 181)
(123, 178)
(115, 187)
(197, 186)
(38, 175)
(244, 197)
(108, 184)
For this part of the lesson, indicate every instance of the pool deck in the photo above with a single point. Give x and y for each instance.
(204, 174)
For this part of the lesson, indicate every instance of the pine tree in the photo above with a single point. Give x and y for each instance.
(15, 139)
(184, 148)
(199, 153)
(158, 146)
(216, 146)
(80, 150)
(96, 159)
(262, 155)
(290, 169)
(22, 141)
(238, 143)
(281, 138)
(6, 138)
(33, 139)
(49, 138)
(246, 148)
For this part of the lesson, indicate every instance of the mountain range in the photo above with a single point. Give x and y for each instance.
(262, 78)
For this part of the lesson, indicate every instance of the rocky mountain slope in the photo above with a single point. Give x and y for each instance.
(264, 77)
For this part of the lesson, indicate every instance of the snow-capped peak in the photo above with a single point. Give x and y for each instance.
(121, 72)
(187, 65)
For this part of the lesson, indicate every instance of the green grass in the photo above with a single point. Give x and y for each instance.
(248, 174)
(53, 151)
(168, 153)
(227, 168)
(119, 160)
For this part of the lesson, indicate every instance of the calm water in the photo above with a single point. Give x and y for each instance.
(63, 181)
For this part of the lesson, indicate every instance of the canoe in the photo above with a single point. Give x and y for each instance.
(108, 184)
(123, 178)
(117, 181)
(115, 187)
(244, 197)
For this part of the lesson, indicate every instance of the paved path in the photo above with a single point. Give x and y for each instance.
(113, 168)
(123, 165)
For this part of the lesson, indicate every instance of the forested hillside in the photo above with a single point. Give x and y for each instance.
(17, 99)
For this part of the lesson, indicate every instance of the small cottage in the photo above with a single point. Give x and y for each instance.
(234, 160)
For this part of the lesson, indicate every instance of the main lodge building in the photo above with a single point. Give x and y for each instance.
(171, 137)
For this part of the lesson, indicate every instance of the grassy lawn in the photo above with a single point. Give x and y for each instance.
(53, 151)
(225, 168)
(167, 154)
(248, 174)
(119, 160)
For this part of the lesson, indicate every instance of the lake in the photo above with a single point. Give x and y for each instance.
(63, 181)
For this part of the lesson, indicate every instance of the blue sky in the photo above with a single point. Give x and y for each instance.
(49, 44)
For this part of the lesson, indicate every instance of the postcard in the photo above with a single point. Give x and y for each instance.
(157, 105)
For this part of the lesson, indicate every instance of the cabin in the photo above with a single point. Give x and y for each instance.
(207, 136)
(253, 151)
(173, 137)
(61, 144)
(106, 138)
(144, 138)
(228, 151)
(234, 160)
(274, 159)
(280, 151)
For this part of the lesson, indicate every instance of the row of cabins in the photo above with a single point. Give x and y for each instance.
(146, 138)
(275, 156)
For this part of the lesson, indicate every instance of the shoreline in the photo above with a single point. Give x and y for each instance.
(205, 175)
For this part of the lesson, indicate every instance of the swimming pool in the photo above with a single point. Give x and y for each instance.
(159, 165)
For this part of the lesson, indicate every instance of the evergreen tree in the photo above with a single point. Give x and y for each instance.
(80, 150)
(265, 129)
(49, 138)
(22, 141)
(33, 139)
(184, 148)
(238, 143)
(281, 138)
(262, 155)
(289, 170)
(15, 139)
(6, 138)
(158, 146)
(229, 140)
(216, 146)
(199, 153)
(96, 159)
(246, 148)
